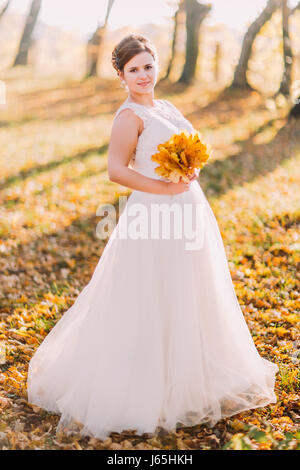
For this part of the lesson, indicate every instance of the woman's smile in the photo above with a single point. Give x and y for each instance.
(144, 84)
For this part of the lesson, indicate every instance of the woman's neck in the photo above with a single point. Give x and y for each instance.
(148, 100)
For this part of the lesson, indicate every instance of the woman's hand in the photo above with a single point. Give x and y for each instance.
(177, 188)
(181, 186)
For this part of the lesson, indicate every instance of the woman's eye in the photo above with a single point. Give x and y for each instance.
(148, 66)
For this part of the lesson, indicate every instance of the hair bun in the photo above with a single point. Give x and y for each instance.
(115, 59)
(128, 47)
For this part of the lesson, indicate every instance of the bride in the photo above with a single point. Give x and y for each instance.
(157, 337)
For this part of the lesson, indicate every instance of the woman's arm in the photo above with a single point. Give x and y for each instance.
(123, 141)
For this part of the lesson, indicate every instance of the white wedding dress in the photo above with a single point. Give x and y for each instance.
(157, 337)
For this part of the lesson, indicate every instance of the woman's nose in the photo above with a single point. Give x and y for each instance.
(142, 75)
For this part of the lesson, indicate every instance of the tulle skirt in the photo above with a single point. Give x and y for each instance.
(156, 338)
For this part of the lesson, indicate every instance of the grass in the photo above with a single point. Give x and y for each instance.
(54, 139)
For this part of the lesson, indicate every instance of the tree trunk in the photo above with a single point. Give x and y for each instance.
(240, 74)
(174, 40)
(217, 62)
(93, 48)
(94, 44)
(22, 55)
(4, 9)
(195, 14)
(287, 52)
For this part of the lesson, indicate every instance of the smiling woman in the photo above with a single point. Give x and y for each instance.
(157, 339)
(136, 62)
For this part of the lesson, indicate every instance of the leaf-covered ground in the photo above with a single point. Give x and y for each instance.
(54, 138)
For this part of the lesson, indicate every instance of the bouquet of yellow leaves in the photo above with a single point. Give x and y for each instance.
(179, 156)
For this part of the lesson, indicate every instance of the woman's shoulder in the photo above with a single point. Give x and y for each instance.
(129, 109)
(124, 106)
(168, 103)
(171, 106)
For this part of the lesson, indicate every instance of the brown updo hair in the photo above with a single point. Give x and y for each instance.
(128, 47)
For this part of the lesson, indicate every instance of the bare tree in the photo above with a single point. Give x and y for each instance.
(195, 14)
(94, 44)
(287, 51)
(174, 39)
(240, 74)
(26, 39)
(285, 84)
(4, 8)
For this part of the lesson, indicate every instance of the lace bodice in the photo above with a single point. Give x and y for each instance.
(161, 121)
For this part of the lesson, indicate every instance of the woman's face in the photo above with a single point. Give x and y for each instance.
(140, 69)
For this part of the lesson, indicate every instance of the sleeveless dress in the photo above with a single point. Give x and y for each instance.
(157, 337)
